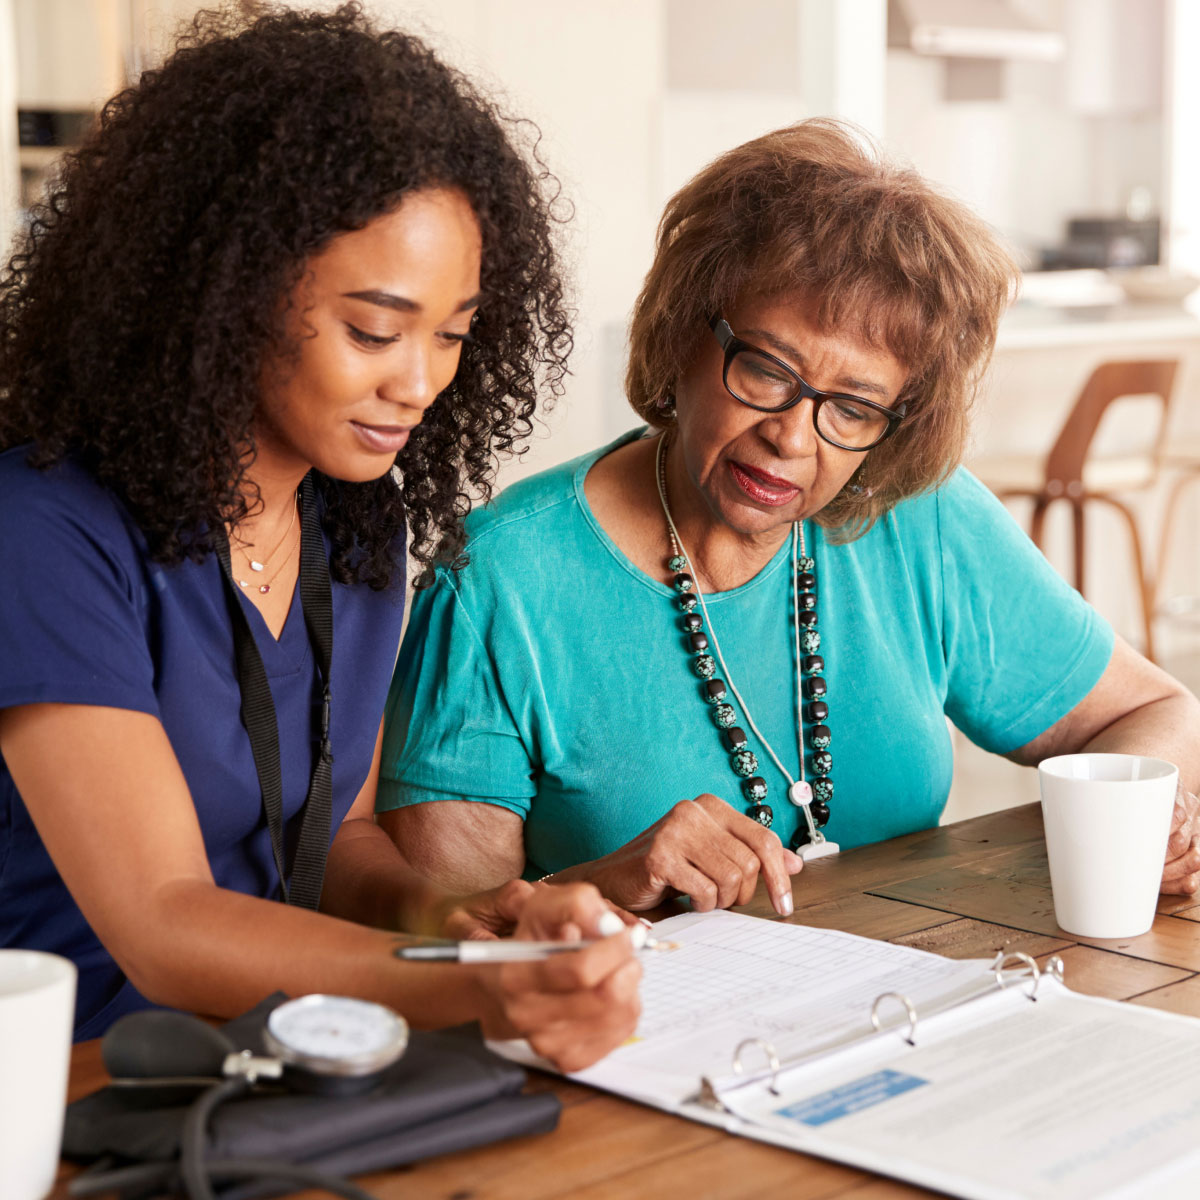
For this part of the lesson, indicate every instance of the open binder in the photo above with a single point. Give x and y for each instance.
(985, 1080)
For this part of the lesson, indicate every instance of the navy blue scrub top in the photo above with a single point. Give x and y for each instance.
(87, 618)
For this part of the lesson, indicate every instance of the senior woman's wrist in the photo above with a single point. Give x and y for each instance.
(610, 875)
(579, 873)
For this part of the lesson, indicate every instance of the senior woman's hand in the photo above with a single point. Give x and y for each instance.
(497, 912)
(573, 1008)
(1181, 874)
(702, 848)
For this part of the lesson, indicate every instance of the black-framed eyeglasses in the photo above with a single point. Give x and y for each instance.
(760, 380)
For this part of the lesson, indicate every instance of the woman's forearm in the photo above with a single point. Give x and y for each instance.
(368, 881)
(1167, 728)
(1134, 708)
(461, 846)
(205, 949)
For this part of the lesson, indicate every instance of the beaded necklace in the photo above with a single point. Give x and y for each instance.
(812, 799)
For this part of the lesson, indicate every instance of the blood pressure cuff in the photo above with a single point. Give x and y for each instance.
(446, 1093)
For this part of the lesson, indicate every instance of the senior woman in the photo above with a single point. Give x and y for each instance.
(663, 654)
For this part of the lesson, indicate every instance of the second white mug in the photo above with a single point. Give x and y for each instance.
(1107, 818)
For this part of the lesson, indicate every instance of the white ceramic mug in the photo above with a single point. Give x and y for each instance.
(37, 1012)
(1107, 817)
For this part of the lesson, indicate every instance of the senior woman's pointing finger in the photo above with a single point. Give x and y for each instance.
(702, 848)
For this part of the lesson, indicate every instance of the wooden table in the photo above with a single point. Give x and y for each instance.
(964, 890)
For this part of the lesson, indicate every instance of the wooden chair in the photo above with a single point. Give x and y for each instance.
(1180, 460)
(1070, 474)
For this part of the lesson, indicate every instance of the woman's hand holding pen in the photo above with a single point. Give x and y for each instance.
(1181, 874)
(702, 848)
(573, 1008)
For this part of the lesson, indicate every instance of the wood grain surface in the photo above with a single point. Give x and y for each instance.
(964, 890)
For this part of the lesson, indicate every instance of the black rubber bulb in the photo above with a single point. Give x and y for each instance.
(156, 1044)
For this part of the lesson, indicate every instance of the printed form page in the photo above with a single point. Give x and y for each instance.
(1066, 1098)
(735, 977)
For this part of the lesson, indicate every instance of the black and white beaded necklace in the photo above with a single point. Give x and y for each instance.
(811, 799)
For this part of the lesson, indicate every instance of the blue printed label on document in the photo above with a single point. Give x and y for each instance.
(852, 1097)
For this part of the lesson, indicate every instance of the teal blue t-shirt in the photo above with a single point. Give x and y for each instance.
(550, 676)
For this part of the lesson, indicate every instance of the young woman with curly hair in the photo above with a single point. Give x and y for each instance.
(287, 302)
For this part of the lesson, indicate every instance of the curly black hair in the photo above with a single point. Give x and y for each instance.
(139, 308)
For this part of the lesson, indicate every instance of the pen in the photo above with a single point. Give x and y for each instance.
(509, 950)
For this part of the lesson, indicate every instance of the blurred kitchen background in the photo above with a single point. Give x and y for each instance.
(1071, 125)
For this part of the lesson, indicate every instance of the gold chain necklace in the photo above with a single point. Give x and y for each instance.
(257, 566)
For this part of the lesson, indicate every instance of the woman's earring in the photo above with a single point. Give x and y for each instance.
(858, 482)
(666, 406)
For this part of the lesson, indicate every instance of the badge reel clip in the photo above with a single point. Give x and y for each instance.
(330, 1045)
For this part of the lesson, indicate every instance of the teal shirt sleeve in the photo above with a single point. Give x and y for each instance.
(449, 732)
(1022, 647)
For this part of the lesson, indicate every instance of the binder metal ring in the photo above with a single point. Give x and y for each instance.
(1034, 973)
(911, 1039)
(772, 1061)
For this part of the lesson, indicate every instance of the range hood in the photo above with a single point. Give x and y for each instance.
(970, 29)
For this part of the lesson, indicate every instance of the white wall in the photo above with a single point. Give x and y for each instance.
(591, 77)
(9, 171)
(1183, 135)
(69, 52)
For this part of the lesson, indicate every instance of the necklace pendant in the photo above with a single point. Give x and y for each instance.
(821, 849)
(242, 583)
(255, 566)
(265, 588)
(800, 793)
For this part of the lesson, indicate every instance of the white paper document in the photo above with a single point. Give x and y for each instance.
(1004, 1093)
(1065, 1098)
(735, 977)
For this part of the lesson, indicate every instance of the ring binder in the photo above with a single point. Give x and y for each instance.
(772, 1060)
(1035, 975)
(712, 1088)
(1116, 1114)
(909, 1008)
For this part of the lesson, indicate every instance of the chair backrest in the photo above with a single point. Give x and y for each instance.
(1108, 382)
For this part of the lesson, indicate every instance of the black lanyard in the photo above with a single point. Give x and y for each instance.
(302, 887)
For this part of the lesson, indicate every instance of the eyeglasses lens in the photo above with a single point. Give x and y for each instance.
(758, 380)
(850, 424)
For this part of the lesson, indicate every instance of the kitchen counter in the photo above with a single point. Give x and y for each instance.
(1029, 326)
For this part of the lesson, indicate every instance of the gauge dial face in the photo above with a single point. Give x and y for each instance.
(338, 1033)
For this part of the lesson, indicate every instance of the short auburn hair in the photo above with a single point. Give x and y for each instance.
(814, 209)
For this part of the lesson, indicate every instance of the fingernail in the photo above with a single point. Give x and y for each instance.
(609, 924)
(784, 905)
(638, 935)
